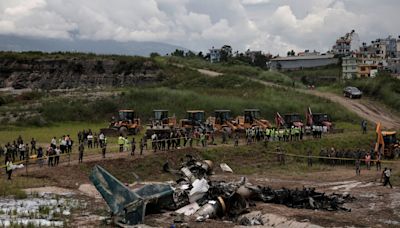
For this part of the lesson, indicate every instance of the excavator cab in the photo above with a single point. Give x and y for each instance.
(320, 118)
(293, 119)
(126, 115)
(221, 116)
(250, 115)
(161, 123)
(389, 137)
(391, 144)
(161, 116)
(195, 116)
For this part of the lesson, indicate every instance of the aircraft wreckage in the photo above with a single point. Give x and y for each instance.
(194, 194)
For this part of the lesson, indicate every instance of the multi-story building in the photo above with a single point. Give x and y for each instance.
(368, 67)
(349, 67)
(215, 55)
(345, 45)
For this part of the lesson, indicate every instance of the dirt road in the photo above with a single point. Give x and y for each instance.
(364, 108)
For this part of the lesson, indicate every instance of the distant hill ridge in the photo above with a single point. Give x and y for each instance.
(17, 43)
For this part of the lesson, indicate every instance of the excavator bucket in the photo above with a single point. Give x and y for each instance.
(130, 205)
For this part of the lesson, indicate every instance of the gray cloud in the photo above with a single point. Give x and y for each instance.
(269, 25)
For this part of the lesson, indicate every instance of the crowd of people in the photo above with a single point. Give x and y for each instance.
(166, 141)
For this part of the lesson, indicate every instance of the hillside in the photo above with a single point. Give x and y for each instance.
(37, 70)
(172, 87)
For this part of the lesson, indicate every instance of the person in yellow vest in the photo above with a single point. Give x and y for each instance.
(121, 142)
(268, 133)
(9, 167)
(126, 144)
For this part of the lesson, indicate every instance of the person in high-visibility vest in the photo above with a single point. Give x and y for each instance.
(121, 141)
(9, 167)
(268, 133)
(103, 146)
(126, 144)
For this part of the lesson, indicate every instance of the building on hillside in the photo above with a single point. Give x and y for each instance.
(368, 67)
(398, 48)
(379, 45)
(215, 55)
(393, 66)
(300, 62)
(349, 67)
(308, 53)
(346, 44)
(252, 54)
(367, 70)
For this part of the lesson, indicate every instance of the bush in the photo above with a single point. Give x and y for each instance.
(29, 96)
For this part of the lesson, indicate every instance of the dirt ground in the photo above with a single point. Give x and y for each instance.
(375, 205)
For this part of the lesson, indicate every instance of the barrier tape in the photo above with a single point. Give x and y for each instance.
(45, 157)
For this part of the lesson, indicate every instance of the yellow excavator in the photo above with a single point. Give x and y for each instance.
(386, 143)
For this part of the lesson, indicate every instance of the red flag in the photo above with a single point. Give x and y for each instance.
(309, 117)
(279, 120)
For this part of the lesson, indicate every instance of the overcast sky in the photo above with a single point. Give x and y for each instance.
(274, 26)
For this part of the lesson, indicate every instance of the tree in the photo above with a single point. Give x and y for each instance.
(154, 54)
(260, 60)
(179, 53)
(291, 53)
(190, 54)
(200, 54)
(226, 52)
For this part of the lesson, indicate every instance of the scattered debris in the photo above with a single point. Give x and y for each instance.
(49, 210)
(194, 194)
(251, 219)
(188, 210)
(226, 168)
(50, 190)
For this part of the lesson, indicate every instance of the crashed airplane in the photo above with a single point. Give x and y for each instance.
(194, 194)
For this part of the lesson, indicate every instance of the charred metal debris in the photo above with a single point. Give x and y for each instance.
(195, 195)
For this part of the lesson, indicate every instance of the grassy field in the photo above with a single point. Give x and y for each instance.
(235, 68)
(45, 134)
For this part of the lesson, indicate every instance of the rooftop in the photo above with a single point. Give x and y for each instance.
(292, 58)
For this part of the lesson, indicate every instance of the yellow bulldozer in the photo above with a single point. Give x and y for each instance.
(252, 118)
(222, 119)
(161, 123)
(387, 143)
(126, 123)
